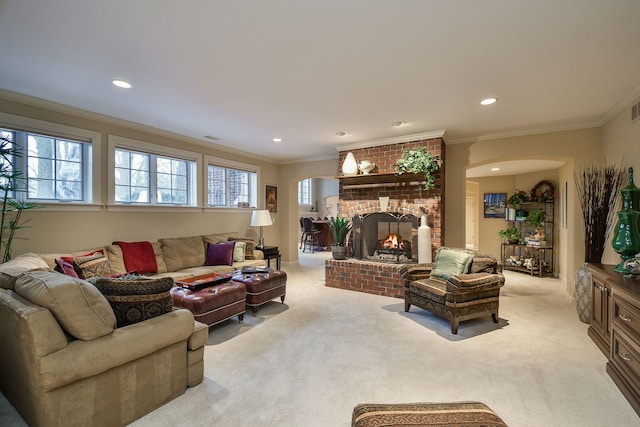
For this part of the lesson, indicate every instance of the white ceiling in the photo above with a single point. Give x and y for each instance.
(248, 71)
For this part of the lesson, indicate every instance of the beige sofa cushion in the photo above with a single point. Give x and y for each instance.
(183, 252)
(12, 269)
(114, 253)
(77, 305)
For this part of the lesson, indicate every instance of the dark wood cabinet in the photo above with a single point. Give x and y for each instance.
(599, 329)
(615, 327)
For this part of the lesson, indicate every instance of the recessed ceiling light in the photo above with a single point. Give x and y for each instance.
(277, 139)
(342, 133)
(398, 124)
(122, 84)
(495, 169)
(488, 101)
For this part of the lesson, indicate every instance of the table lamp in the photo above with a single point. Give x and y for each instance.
(261, 217)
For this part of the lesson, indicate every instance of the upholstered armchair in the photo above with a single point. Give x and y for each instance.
(459, 285)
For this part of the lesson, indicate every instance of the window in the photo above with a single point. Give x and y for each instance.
(56, 169)
(153, 179)
(228, 187)
(304, 192)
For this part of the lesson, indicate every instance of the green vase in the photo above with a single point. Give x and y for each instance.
(626, 238)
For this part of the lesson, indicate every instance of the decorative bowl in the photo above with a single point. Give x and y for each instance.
(366, 166)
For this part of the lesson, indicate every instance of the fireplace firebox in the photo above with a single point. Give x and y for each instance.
(386, 237)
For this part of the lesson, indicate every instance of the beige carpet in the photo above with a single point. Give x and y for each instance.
(310, 361)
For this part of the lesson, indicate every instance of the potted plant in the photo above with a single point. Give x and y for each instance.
(11, 208)
(420, 161)
(339, 227)
(517, 198)
(511, 235)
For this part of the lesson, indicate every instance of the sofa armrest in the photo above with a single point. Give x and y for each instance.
(413, 272)
(258, 254)
(84, 359)
(474, 281)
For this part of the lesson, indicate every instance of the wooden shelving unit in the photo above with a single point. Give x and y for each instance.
(544, 254)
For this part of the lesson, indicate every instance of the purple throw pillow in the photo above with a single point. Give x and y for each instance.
(220, 253)
(65, 267)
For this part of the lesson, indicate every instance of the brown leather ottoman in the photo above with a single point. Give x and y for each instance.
(212, 304)
(263, 287)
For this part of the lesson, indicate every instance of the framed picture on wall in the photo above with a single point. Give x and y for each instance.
(494, 205)
(271, 198)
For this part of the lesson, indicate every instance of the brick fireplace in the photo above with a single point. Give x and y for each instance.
(359, 197)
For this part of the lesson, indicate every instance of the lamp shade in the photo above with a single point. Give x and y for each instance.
(261, 217)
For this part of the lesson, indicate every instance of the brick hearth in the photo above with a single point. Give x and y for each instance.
(382, 278)
(377, 278)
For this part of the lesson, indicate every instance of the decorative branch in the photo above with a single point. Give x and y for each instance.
(598, 188)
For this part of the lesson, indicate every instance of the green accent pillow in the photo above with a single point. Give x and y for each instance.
(450, 262)
(239, 251)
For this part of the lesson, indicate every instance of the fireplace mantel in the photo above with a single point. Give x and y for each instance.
(381, 180)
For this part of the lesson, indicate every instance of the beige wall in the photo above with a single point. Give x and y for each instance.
(576, 148)
(621, 144)
(75, 229)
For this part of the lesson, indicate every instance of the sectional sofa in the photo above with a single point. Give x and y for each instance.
(64, 361)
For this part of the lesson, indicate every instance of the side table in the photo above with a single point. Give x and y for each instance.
(271, 252)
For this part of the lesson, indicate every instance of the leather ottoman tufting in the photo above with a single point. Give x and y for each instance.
(457, 414)
(263, 287)
(212, 304)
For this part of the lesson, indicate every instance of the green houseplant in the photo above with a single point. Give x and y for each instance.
(340, 228)
(11, 208)
(518, 197)
(535, 219)
(420, 161)
(511, 234)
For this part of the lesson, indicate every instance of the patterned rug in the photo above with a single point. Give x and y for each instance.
(457, 414)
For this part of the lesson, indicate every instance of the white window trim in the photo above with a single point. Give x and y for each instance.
(155, 149)
(27, 124)
(226, 163)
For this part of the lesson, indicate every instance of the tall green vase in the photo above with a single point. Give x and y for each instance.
(626, 237)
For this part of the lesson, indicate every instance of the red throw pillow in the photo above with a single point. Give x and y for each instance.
(219, 253)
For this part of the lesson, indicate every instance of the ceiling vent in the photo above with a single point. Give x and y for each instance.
(635, 112)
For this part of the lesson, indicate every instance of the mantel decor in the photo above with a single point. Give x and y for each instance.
(419, 161)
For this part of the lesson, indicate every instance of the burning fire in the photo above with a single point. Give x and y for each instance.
(392, 242)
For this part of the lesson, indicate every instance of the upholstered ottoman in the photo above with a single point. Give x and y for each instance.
(212, 304)
(457, 414)
(263, 287)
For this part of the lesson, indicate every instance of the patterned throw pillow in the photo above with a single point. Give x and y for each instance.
(92, 265)
(248, 252)
(136, 298)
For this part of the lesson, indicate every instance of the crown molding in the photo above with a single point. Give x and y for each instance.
(631, 97)
(394, 140)
(524, 132)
